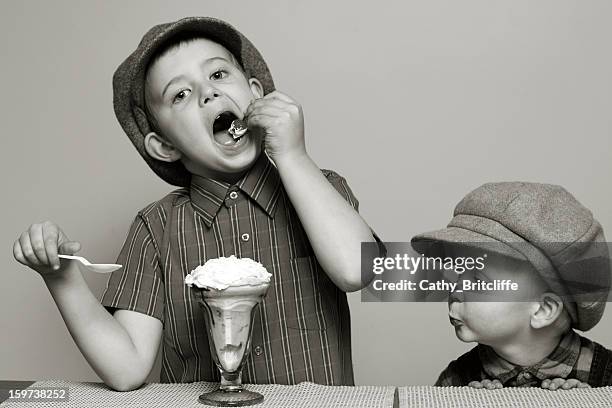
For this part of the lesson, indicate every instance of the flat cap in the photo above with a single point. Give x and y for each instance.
(129, 79)
(545, 225)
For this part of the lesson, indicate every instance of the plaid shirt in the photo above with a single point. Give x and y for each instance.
(301, 331)
(570, 359)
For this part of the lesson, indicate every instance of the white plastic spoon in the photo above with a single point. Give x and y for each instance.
(98, 268)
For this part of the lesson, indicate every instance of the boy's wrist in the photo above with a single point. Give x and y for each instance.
(63, 277)
(289, 160)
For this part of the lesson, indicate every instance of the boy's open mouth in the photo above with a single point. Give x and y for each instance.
(221, 127)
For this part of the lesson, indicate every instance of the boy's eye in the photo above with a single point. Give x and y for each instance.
(218, 75)
(181, 95)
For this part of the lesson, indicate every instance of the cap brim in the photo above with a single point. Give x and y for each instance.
(434, 243)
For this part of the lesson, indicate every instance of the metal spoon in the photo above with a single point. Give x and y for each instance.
(237, 129)
(98, 268)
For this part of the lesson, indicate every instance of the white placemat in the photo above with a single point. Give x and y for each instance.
(186, 395)
(466, 397)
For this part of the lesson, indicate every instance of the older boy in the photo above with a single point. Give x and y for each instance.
(541, 238)
(175, 96)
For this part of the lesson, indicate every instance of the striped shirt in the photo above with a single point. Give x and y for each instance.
(572, 358)
(301, 331)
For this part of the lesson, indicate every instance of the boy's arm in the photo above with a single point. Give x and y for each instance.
(335, 230)
(121, 348)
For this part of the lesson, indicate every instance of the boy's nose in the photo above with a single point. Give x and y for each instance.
(209, 95)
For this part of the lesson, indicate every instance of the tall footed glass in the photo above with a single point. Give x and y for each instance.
(229, 320)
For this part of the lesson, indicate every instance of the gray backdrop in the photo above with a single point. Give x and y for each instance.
(414, 102)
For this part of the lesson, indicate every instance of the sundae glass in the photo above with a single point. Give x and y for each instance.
(230, 289)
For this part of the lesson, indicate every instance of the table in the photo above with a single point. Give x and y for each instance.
(466, 397)
(313, 395)
(303, 395)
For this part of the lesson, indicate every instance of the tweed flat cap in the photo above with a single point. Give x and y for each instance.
(543, 224)
(129, 78)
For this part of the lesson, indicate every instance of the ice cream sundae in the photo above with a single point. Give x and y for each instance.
(230, 289)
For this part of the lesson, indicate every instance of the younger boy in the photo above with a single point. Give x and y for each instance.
(541, 238)
(176, 96)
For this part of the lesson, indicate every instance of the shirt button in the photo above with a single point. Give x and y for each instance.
(233, 195)
(245, 237)
(258, 351)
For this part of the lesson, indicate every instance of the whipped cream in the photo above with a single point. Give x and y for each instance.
(221, 273)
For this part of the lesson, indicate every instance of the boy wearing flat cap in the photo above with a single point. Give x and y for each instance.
(257, 195)
(541, 238)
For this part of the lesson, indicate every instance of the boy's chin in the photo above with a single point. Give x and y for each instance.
(229, 169)
(465, 335)
(243, 161)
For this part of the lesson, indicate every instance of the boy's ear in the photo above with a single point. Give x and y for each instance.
(256, 87)
(160, 149)
(546, 311)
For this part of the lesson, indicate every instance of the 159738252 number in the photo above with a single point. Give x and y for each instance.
(39, 394)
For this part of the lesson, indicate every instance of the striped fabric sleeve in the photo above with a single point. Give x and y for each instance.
(137, 286)
(345, 191)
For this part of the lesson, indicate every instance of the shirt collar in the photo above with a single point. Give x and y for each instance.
(557, 364)
(261, 183)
